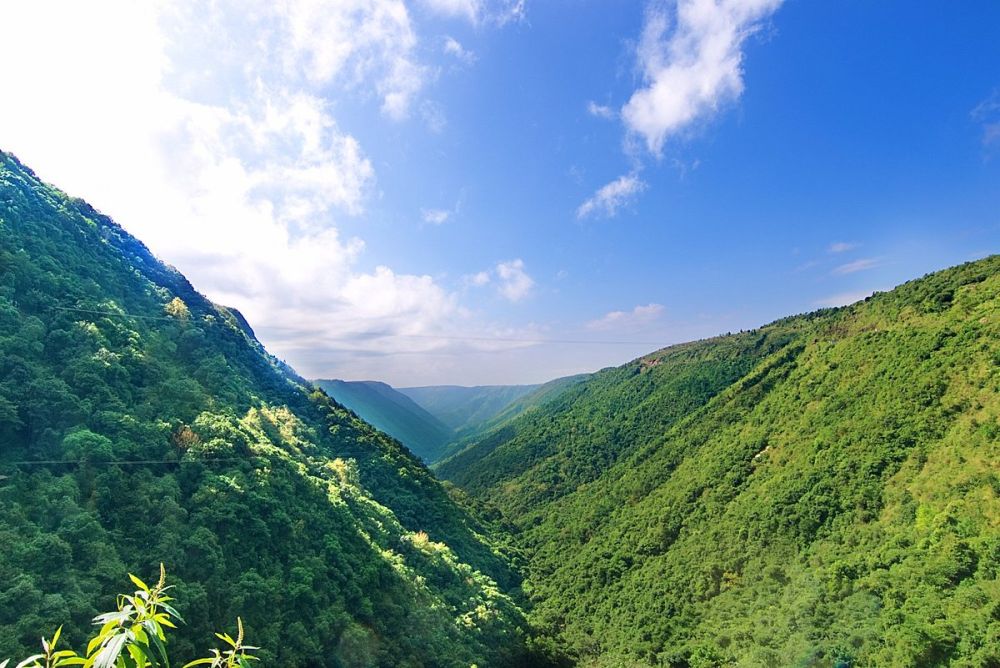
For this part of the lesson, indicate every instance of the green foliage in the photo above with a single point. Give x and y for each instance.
(824, 491)
(140, 423)
(465, 409)
(392, 412)
(134, 636)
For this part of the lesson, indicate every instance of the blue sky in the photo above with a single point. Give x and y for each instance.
(472, 192)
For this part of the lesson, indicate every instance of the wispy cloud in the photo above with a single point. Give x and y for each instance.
(435, 216)
(638, 316)
(862, 264)
(845, 298)
(610, 197)
(433, 116)
(466, 9)
(438, 215)
(478, 280)
(987, 114)
(841, 246)
(510, 279)
(515, 283)
(691, 70)
(496, 12)
(600, 110)
(453, 47)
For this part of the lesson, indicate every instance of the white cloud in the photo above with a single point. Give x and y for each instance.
(434, 216)
(496, 12)
(466, 9)
(600, 110)
(438, 216)
(205, 128)
(612, 196)
(693, 68)
(856, 266)
(453, 47)
(515, 283)
(841, 247)
(638, 316)
(508, 11)
(478, 280)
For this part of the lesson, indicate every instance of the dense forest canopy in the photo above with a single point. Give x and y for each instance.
(821, 491)
(140, 423)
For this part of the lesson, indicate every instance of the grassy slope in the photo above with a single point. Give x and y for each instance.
(834, 504)
(274, 502)
(394, 413)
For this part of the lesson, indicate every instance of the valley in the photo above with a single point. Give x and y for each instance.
(823, 490)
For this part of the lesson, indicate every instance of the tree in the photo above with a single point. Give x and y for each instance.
(135, 636)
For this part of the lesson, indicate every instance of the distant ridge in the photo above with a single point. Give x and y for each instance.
(465, 409)
(394, 413)
(534, 400)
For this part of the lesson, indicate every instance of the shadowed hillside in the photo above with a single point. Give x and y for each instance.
(394, 413)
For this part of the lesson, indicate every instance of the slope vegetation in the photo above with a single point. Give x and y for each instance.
(464, 409)
(532, 401)
(394, 413)
(141, 423)
(820, 492)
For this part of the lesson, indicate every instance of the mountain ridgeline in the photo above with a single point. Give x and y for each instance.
(437, 421)
(140, 423)
(394, 413)
(465, 409)
(822, 491)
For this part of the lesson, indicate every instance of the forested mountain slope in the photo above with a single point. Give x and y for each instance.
(464, 409)
(394, 413)
(579, 434)
(141, 423)
(820, 492)
(534, 400)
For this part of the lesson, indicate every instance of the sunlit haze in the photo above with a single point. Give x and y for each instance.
(480, 192)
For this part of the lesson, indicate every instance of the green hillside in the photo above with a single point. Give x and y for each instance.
(465, 409)
(531, 401)
(141, 423)
(394, 413)
(822, 491)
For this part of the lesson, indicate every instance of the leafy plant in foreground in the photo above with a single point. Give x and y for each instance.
(134, 636)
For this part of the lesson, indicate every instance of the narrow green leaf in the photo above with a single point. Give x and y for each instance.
(170, 609)
(138, 583)
(30, 660)
(108, 656)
